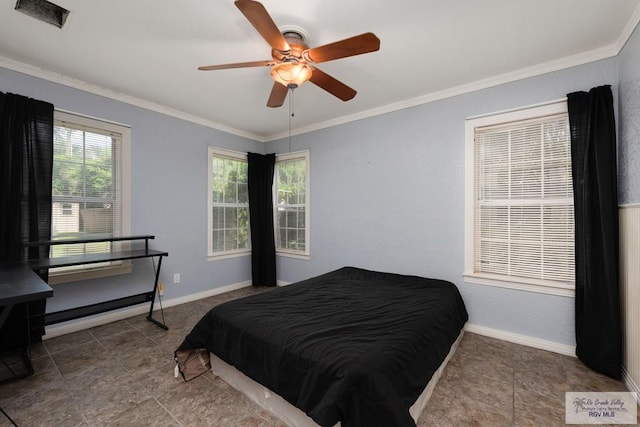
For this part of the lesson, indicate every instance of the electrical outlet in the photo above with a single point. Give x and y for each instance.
(161, 289)
(176, 278)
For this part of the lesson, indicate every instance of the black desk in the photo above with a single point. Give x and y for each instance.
(82, 259)
(20, 285)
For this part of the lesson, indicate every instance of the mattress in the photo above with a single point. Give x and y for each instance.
(351, 346)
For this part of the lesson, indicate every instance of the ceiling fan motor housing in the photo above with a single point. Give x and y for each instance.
(297, 44)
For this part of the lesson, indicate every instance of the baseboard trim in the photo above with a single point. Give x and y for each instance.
(522, 339)
(206, 294)
(71, 326)
(630, 383)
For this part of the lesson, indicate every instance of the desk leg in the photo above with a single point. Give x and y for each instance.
(155, 292)
(25, 354)
(4, 314)
(27, 350)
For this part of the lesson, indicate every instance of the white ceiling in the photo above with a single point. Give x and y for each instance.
(147, 51)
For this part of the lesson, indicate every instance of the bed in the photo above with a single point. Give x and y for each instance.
(352, 346)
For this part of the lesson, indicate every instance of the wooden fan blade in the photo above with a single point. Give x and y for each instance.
(364, 43)
(258, 16)
(277, 96)
(331, 85)
(237, 65)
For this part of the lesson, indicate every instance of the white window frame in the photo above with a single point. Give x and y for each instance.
(123, 192)
(211, 255)
(531, 285)
(306, 254)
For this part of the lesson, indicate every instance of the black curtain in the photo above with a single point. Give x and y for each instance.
(597, 299)
(26, 160)
(263, 247)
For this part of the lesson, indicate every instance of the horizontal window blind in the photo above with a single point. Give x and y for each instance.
(86, 187)
(523, 216)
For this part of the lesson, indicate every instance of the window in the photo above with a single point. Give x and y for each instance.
(228, 214)
(228, 204)
(519, 228)
(291, 199)
(90, 175)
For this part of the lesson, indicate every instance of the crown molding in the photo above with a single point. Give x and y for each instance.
(627, 31)
(527, 72)
(52, 76)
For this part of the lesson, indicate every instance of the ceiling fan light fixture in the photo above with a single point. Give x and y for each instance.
(291, 74)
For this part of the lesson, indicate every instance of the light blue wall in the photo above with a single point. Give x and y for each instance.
(387, 193)
(629, 122)
(168, 192)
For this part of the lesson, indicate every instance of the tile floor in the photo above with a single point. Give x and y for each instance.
(121, 374)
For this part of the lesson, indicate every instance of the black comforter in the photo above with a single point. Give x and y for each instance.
(352, 345)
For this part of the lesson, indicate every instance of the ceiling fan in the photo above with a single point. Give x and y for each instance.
(293, 61)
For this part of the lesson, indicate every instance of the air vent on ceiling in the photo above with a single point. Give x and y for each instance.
(43, 10)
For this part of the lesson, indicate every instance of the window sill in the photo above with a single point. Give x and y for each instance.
(228, 256)
(540, 287)
(293, 255)
(88, 273)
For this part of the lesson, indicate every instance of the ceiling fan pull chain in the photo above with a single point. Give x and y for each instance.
(291, 115)
(291, 112)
